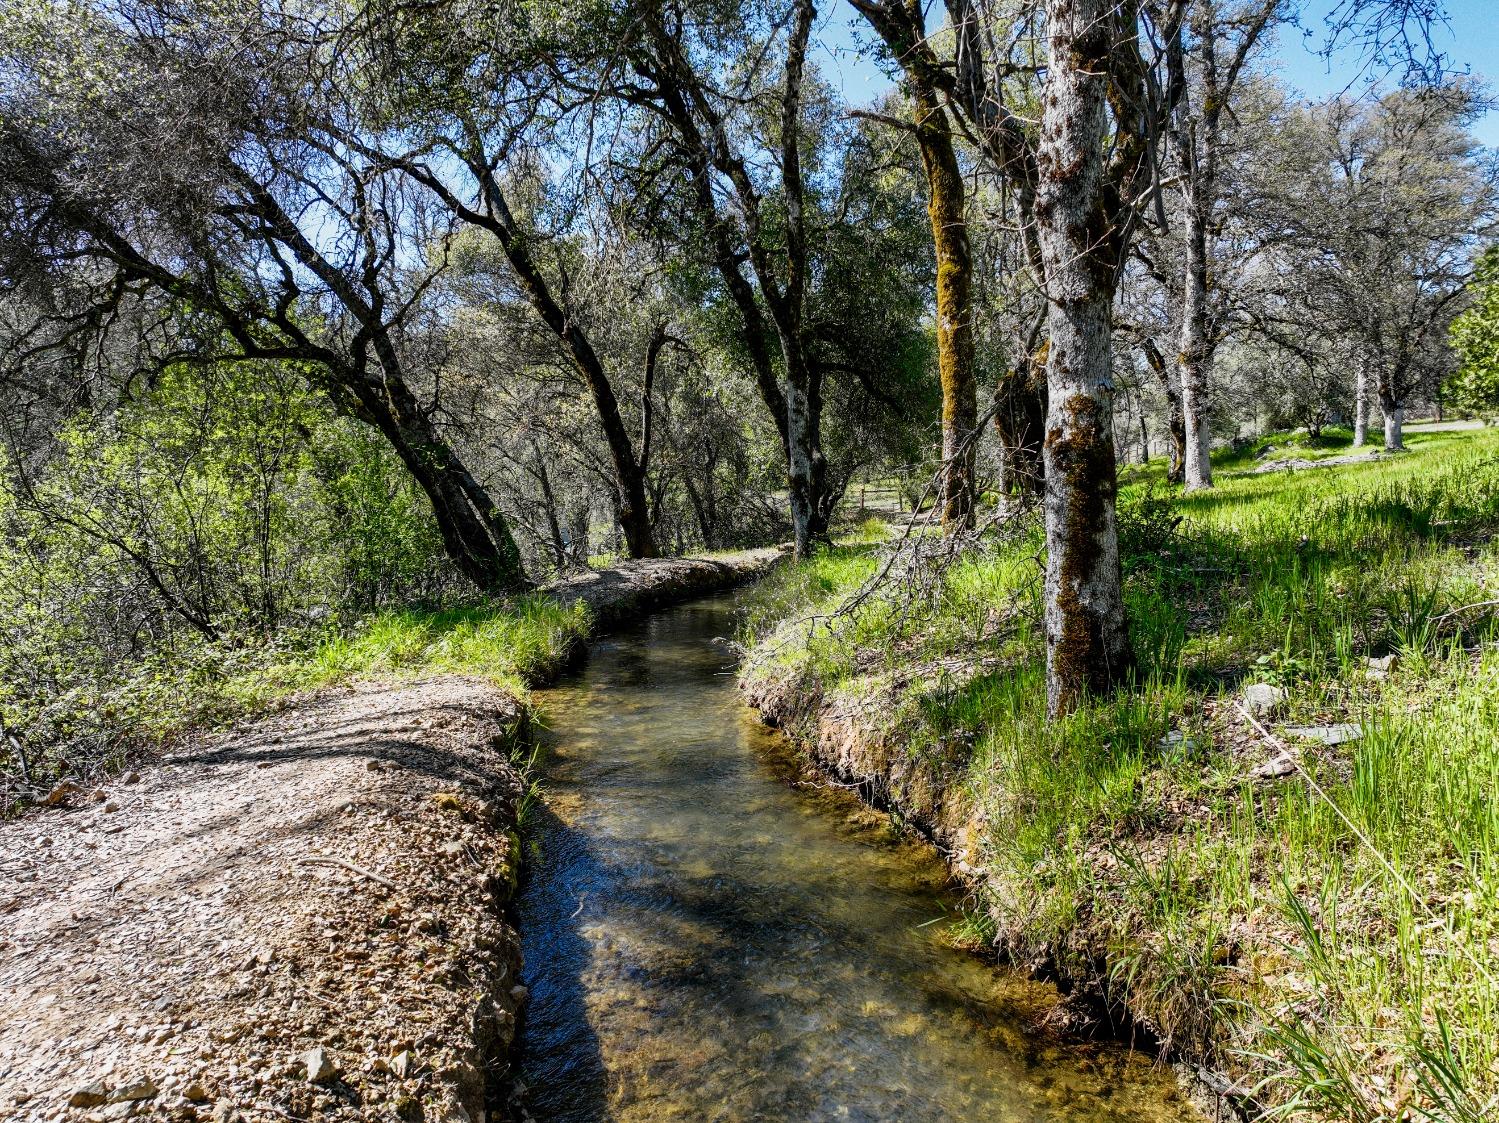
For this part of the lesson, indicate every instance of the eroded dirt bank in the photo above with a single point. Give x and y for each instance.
(300, 918)
(633, 588)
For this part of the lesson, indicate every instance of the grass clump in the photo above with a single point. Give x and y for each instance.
(96, 727)
(1326, 934)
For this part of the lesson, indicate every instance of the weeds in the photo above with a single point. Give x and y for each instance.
(510, 643)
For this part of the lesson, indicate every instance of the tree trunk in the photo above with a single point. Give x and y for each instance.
(1361, 407)
(799, 469)
(1020, 423)
(1176, 425)
(1195, 356)
(1394, 418)
(473, 532)
(955, 357)
(1087, 641)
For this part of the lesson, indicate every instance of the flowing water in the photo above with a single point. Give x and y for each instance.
(705, 940)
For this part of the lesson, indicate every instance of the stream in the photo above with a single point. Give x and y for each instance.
(706, 939)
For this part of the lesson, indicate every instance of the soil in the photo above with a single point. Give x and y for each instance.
(329, 878)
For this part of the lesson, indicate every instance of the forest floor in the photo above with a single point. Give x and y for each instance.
(1276, 852)
(302, 916)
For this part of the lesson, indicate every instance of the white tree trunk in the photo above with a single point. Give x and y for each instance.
(1361, 407)
(1195, 356)
(1087, 644)
(1394, 417)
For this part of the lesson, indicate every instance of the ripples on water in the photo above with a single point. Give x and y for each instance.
(704, 941)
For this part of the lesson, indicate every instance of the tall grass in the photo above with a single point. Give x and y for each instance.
(1334, 944)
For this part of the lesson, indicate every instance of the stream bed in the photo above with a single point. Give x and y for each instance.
(706, 939)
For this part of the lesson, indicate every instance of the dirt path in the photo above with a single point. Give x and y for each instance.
(301, 918)
(631, 588)
(324, 880)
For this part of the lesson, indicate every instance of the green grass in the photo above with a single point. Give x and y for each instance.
(509, 643)
(1339, 946)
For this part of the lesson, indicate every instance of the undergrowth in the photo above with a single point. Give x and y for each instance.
(86, 734)
(1327, 935)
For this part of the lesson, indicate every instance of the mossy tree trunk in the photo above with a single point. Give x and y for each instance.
(901, 24)
(1087, 640)
(955, 354)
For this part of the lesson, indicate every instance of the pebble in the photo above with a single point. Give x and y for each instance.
(318, 1064)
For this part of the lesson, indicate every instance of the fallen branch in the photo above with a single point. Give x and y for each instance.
(1466, 608)
(318, 860)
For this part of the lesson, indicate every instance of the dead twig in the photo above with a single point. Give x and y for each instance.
(319, 860)
(1465, 608)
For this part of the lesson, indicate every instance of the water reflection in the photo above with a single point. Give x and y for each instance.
(705, 942)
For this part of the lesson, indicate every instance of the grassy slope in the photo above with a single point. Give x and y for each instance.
(1243, 918)
(509, 643)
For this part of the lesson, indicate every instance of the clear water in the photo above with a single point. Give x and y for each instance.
(706, 940)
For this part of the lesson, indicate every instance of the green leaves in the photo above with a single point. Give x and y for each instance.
(1474, 387)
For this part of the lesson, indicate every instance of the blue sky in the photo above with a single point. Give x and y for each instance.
(1470, 40)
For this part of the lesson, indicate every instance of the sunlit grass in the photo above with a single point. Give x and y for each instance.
(510, 644)
(1164, 859)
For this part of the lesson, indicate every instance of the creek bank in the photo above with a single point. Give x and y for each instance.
(849, 737)
(326, 883)
(629, 589)
(304, 916)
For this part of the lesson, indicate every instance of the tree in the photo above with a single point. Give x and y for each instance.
(1204, 65)
(1378, 208)
(901, 24)
(297, 250)
(1474, 386)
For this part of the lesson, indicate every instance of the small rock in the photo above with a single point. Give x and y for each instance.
(373, 765)
(61, 792)
(195, 1092)
(90, 1095)
(123, 1110)
(142, 1089)
(131, 778)
(400, 1064)
(225, 1112)
(520, 994)
(1382, 666)
(1327, 734)
(319, 1065)
(1282, 764)
(112, 805)
(1179, 741)
(452, 849)
(1261, 698)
